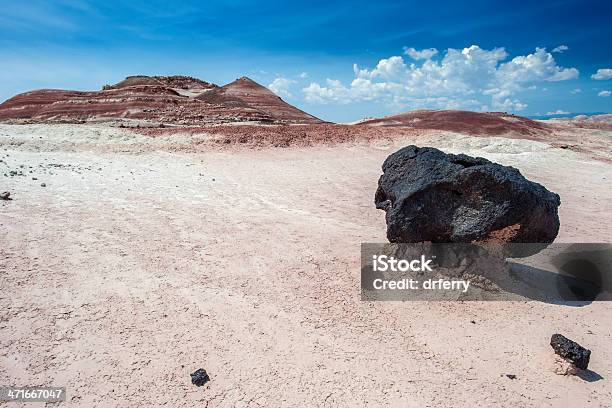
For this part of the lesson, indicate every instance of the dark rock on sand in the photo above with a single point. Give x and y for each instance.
(429, 195)
(5, 195)
(200, 377)
(571, 351)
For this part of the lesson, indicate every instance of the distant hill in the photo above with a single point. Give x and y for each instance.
(245, 92)
(564, 115)
(157, 99)
(478, 123)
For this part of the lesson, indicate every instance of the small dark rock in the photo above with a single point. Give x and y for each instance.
(200, 377)
(43, 185)
(511, 376)
(571, 351)
(5, 196)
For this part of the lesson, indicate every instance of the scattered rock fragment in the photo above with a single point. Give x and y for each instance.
(562, 366)
(511, 376)
(200, 377)
(43, 185)
(429, 195)
(570, 351)
(5, 195)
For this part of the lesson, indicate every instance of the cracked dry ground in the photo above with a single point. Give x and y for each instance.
(131, 270)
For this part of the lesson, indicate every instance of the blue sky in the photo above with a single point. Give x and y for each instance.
(340, 60)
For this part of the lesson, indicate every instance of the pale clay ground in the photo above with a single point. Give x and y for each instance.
(139, 263)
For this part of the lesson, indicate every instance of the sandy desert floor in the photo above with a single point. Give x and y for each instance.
(141, 261)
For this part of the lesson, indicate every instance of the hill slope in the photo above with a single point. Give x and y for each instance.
(173, 100)
(246, 92)
(478, 123)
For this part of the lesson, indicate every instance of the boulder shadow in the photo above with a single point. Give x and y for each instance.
(550, 287)
(589, 375)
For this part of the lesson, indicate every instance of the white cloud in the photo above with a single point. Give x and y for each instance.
(575, 91)
(468, 78)
(333, 92)
(560, 49)
(425, 54)
(280, 86)
(604, 94)
(602, 74)
(557, 112)
(303, 75)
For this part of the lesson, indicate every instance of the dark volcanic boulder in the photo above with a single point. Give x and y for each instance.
(571, 351)
(429, 195)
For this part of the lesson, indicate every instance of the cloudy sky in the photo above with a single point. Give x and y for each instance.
(340, 60)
